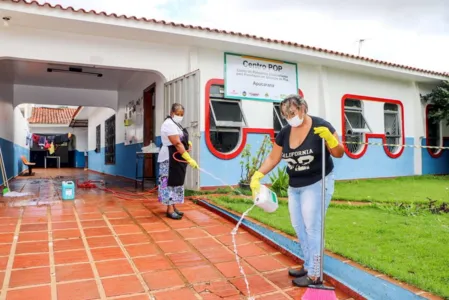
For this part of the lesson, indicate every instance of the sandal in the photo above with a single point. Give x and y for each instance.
(305, 281)
(174, 216)
(179, 212)
(297, 273)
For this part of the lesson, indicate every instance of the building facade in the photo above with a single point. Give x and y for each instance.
(367, 101)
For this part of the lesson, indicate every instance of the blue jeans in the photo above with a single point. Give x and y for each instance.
(304, 204)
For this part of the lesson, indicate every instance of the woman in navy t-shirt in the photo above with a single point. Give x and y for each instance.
(300, 145)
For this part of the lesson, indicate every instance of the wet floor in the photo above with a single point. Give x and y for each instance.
(102, 247)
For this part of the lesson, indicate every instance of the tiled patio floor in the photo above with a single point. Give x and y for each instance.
(101, 247)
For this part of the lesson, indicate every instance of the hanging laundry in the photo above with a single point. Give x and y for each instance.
(47, 145)
(51, 150)
(72, 143)
(35, 138)
(28, 139)
(58, 140)
(51, 139)
(42, 141)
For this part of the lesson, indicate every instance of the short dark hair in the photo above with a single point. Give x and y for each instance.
(176, 106)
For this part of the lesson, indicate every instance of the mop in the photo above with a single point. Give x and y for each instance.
(6, 191)
(321, 292)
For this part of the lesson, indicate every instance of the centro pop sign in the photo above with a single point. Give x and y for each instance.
(255, 78)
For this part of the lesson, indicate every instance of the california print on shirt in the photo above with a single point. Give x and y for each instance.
(299, 160)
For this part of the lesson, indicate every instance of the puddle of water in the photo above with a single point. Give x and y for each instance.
(234, 232)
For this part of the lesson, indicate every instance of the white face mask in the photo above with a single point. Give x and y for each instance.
(177, 119)
(295, 121)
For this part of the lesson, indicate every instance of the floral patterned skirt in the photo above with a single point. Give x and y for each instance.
(168, 195)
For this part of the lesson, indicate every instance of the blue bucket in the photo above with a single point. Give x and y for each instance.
(68, 190)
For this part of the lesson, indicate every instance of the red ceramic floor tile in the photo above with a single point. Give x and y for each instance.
(165, 236)
(191, 233)
(269, 249)
(183, 293)
(104, 241)
(64, 225)
(217, 255)
(5, 249)
(7, 228)
(138, 238)
(114, 268)
(163, 279)
(74, 272)
(91, 216)
(31, 260)
(276, 296)
(84, 290)
(155, 227)
(152, 263)
(28, 277)
(3, 262)
(179, 224)
(135, 297)
(265, 263)
(217, 290)
(280, 278)
(44, 293)
(257, 285)
(6, 237)
(201, 273)
(186, 259)
(231, 269)
(174, 246)
(117, 215)
(8, 221)
(121, 221)
(297, 293)
(66, 234)
(205, 243)
(63, 218)
(72, 244)
(249, 250)
(33, 227)
(127, 229)
(32, 247)
(99, 231)
(33, 236)
(100, 254)
(124, 285)
(71, 257)
(93, 223)
(286, 260)
(240, 239)
(141, 250)
(33, 220)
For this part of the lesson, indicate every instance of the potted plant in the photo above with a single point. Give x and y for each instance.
(250, 164)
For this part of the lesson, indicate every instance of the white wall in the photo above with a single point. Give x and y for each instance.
(21, 128)
(6, 111)
(80, 133)
(97, 117)
(64, 96)
(70, 48)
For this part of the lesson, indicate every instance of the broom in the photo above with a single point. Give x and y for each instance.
(320, 291)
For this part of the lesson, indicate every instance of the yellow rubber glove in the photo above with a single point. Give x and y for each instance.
(190, 144)
(190, 160)
(255, 182)
(325, 134)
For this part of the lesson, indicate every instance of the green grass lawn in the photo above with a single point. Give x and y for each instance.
(415, 189)
(413, 249)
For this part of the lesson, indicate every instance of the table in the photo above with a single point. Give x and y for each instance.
(144, 156)
(58, 160)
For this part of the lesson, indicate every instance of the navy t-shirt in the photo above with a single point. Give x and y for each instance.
(304, 164)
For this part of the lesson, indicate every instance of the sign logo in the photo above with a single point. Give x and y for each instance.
(254, 94)
(244, 93)
(267, 95)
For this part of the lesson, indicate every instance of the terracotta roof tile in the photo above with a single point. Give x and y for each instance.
(249, 36)
(46, 115)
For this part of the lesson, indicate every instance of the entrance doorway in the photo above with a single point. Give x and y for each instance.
(148, 126)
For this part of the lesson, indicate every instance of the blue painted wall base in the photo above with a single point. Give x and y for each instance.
(12, 158)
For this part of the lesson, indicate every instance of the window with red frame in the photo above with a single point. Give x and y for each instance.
(226, 120)
(434, 132)
(392, 126)
(355, 125)
(278, 121)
